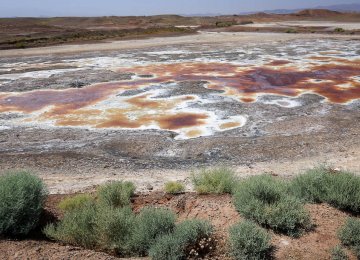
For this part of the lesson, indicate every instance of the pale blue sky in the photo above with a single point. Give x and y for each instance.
(10, 8)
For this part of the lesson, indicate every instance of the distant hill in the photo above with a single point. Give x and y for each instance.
(317, 12)
(339, 8)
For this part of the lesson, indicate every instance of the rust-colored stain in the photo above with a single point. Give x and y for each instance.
(193, 133)
(181, 120)
(229, 125)
(100, 106)
(278, 62)
(247, 82)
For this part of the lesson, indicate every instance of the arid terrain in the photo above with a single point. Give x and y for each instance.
(261, 93)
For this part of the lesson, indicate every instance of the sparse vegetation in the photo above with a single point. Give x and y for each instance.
(75, 202)
(338, 253)
(116, 194)
(217, 180)
(225, 23)
(349, 235)
(117, 230)
(338, 188)
(248, 241)
(115, 227)
(88, 35)
(77, 227)
(174, 187)
(266, 201)
(290, 30)
(151, 223)
(180, 244)
(339, 30)
(22, 197)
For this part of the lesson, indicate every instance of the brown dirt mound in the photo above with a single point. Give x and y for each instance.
(317, 13)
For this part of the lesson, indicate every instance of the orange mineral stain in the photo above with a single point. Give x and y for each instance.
(229, 125)
(101, 106)
(176, 121)
(193, 133)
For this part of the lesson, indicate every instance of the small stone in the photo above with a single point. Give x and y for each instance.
(149, 186)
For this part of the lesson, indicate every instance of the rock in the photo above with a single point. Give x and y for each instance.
(149, 186)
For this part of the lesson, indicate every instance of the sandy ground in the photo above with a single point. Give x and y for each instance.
(151, 179)
(200, 38)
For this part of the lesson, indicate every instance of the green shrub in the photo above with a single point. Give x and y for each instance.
(339, 30)
(310, 186)
(22, 196)
(78, 227)
(174, 246)
(338, 253)
(217, 180)
(343, 191)
(349, 235)
(151, 223)
(167, 247)
(339, 189)
(115, 228)
(291, 31)
(116, 194)
(267, 202)
(75, 202)
(225, 23)
(189, 231)
(248, 241)
(174, 187)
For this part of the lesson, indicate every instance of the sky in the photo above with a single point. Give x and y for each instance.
(11, 8)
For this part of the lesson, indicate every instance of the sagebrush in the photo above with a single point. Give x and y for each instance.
(77, 227)
(151, 223)
(174, 187)
(176, 245)
(340, 189)
(75, 202)
(338, 253)
(349, 235)
(116, 194)
(216, 180)
(249, 241)
(22, 197)
(266, 201)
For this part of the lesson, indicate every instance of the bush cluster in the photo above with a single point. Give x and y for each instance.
(190, 237)
(338, 188)
(266, 201)
(339, 30)
(248, 241)
(216, 180)
(117, 230)
(116, 194)
(75, 202)
(22, 196)
(338, 253)
(349, 235)
(174, 187)
(151, 224)
(108, 223)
